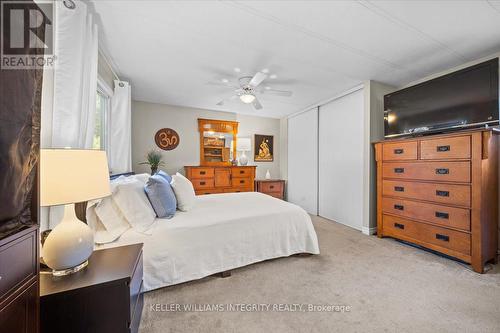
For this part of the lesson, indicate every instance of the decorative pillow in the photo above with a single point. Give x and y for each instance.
(184, 192)
(161, 196)
(165, 175)
(130, 197)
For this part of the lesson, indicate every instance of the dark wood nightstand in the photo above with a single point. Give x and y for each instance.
(272, 187)
(104, 297)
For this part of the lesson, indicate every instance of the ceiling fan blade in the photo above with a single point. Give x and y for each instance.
(256, 104)
(222, 84)
(257, 79)
(226, 100)
(284, 93)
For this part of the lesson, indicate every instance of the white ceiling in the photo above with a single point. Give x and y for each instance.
(317, 49)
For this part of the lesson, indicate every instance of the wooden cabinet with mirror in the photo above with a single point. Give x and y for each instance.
(216, 174)
(217, 141)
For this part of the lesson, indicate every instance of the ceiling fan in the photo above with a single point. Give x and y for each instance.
(248, 88)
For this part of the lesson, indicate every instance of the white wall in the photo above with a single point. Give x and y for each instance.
(147, 118)
(248, 127)
(303, 160)
(374, 131)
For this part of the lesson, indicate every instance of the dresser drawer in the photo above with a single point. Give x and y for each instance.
(440, 193)
(241, 182)
(241, 172)
(267, 187)
(202, 173)
(425, 234)
(200, 184)
(454, 147)
(208, 191)
(435, 171)
(399, 151)
(235, 190)
(18, 261)
(443, 215)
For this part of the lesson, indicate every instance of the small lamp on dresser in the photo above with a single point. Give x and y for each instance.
(69, 176)
(243, 145)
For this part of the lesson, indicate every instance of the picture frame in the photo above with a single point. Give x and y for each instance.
(263, 148)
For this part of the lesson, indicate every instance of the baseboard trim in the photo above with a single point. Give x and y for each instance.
(369, 231)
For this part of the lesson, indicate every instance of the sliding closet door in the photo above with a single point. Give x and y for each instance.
(341, 132)
(303, 160)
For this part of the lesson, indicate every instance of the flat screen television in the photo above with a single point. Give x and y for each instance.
(462, 99)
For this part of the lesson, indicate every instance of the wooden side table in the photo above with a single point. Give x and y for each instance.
(272, 187)
(104, 297)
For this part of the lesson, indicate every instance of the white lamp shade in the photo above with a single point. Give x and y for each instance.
(243, 144)
(70, 175)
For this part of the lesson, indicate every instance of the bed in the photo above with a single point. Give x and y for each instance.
(222, 232)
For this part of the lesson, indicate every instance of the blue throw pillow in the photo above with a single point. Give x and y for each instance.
(165, 175)
(161, 196)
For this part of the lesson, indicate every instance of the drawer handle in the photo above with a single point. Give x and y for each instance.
(399, 170)
(399, 188)
(442, 215)
(442, 171)
(442, 193)
(399, 226)
(399, 207)
(242, 172)
(399, 151)
(271, 187)
(242, 181)
(202, 172)
(202, 183)
(443, 148)
(443, 237)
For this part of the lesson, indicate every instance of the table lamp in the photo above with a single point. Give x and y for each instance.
(243, 144)
(68, 176)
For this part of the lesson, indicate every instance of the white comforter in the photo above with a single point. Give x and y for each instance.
(222, 232)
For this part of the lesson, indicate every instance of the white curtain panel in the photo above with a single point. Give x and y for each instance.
(75, 83)
(120, 129)
(75, 77)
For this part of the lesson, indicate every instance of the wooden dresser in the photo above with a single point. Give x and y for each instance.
(272, 187)
(221, 179)
(19, 281)
(441, 192)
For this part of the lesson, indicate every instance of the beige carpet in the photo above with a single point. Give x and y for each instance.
(391, 287)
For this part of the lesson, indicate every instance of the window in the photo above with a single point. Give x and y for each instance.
(101, 121)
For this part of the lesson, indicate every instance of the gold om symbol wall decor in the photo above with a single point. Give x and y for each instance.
(167, 139)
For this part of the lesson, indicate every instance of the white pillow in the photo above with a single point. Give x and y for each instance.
(142, 177)
(133, 203)
(111, 217)
(101, 234)
(184, 192)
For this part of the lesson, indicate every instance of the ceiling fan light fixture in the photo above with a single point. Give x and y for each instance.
(247, 98)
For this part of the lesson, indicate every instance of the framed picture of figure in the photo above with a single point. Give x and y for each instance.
(263, 148)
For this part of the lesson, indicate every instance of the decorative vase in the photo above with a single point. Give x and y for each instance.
(268, 175)
(243, 159)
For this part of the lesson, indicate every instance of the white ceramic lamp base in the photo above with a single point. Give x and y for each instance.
(68, 245)
(243, 159)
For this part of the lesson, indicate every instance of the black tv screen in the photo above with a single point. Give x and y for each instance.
(462, 99)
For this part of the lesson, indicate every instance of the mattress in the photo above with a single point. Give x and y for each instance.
(222, 232)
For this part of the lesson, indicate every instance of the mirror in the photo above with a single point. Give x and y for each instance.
(217, 141)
